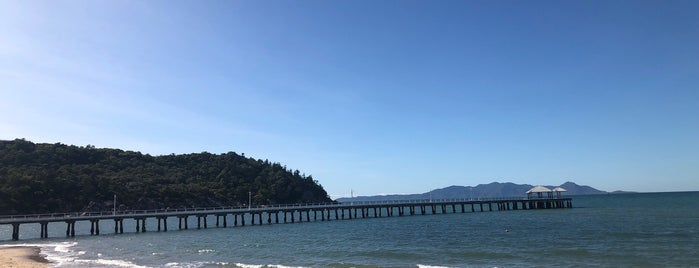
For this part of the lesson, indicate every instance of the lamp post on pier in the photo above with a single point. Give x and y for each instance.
(249, 200)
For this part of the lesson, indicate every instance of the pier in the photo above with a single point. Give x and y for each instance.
(266, 215)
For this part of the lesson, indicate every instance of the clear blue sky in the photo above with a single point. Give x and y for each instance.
(375, 96)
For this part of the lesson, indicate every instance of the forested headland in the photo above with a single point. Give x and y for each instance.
(48, 178)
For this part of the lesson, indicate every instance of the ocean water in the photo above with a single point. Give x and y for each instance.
(638, 230)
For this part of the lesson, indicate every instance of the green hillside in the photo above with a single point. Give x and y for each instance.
(41, 178)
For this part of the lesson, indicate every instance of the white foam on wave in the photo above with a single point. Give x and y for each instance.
(56, 253)
(108, 263)
(62, 254)
(243, 265)
(431, 266)
(193, 264)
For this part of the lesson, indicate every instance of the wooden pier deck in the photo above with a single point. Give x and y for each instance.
(271, 214)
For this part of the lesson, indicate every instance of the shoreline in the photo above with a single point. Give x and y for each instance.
(22, 257)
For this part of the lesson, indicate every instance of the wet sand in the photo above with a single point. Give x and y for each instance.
(22, 257)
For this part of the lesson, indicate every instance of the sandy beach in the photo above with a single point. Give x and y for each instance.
(22, 257)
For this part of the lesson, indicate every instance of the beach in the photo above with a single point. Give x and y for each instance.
(22, 257)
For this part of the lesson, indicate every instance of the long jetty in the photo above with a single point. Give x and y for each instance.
(271, 214)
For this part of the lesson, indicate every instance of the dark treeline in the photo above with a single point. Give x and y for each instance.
(44, 178)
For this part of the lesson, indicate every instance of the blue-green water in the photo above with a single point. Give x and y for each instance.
(639, 230)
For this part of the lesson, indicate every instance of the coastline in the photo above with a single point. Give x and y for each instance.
(22, 257)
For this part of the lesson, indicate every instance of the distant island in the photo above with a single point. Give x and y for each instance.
(491, 190)
(50, 178)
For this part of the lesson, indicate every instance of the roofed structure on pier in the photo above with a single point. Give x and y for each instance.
(539, 191)
(558, 190)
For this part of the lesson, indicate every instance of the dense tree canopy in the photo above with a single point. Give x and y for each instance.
(41, 178)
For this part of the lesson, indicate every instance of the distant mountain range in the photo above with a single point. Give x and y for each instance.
(491, 190)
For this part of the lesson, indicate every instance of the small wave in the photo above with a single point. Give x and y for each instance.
(206, 251)
(431, 266)
(194, 264)
(243, 265)
(112, 263)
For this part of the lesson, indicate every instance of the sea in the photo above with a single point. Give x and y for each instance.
(616, 230)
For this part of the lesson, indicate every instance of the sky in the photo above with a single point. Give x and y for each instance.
(369, 97)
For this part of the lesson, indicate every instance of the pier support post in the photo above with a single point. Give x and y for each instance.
(235, 220)
(259, 217)
(158, 219)
(198, 222)
(276, 217)
(225, 224)
(242, 219)
(44, 229)
(205, 225)
(143, 226)
(15, 231)
(292, 216)
(165, 224)
(269, 218)
(94, 227)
